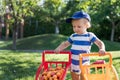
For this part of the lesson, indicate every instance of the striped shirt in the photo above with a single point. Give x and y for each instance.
(81, 43)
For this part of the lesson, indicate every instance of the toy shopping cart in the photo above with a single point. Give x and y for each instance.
(99, 70)
(46, 65)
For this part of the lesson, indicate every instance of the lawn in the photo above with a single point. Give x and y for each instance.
(49, 41)
(19, 65)
(23, 63)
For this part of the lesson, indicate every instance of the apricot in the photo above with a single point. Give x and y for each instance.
(58, 67)
(44, 77)
(55, 79)
(54, 76)
(51, 69)
(53, 73)
(44, 73)
(48, 75)
(50, 78)
(58, 74)
(62, 70)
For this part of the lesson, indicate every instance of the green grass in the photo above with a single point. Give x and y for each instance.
(39, 42)
(15, 65)
(19, 65)
(49, 41)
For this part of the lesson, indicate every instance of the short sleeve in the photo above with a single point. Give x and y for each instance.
(70, 39)
(93, 37)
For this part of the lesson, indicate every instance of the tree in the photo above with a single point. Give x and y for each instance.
(2, 11)
(19, 10)
(106, 10)
(53, 12)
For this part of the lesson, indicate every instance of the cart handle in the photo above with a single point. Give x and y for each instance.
(53, 52)
(95, 54)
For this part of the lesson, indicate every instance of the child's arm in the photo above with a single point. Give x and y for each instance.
(62, 46)
(101, 46)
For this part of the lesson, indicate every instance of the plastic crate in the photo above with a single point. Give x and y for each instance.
(46, 65)
(102, 70)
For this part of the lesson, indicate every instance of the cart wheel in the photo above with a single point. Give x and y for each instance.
(114, 75)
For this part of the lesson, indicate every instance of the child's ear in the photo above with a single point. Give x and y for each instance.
(88, 25)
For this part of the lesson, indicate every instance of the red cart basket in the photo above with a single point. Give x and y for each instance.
(47, 66)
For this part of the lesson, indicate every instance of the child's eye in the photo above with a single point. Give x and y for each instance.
(79, 26)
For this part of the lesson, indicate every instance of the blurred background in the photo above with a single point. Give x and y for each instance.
(27, 27)
(23, 18)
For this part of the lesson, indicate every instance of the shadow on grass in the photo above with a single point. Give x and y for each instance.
(50, 41)
(116, 58)
(18, 67)
(17, 70)
(38, 42)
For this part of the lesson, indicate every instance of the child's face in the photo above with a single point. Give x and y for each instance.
(79, 25)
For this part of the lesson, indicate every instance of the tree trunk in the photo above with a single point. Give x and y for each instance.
(14, 35)
(57, 27)
(22, 28)
(14, 26)
(0, 30)
(7, 31)
(14, 41)
(112, 32)
(8, 17)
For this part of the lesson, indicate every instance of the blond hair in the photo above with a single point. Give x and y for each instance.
(86, 22)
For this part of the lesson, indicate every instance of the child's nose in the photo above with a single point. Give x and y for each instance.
(75, 29)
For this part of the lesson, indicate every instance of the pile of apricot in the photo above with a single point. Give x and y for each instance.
(53, 73)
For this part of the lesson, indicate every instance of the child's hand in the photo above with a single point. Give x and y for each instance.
(57, 51)
(102, 52)
(62, 46)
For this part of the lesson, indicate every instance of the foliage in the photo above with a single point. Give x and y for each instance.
(107, 17)
(44, 18)
(18, 10)
(53, 13)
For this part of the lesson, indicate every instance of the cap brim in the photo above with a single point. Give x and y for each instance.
(69, 20)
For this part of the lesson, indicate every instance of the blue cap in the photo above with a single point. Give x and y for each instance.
(78, 15)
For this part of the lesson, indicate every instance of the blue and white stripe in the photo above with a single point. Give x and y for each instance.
(80, 44)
